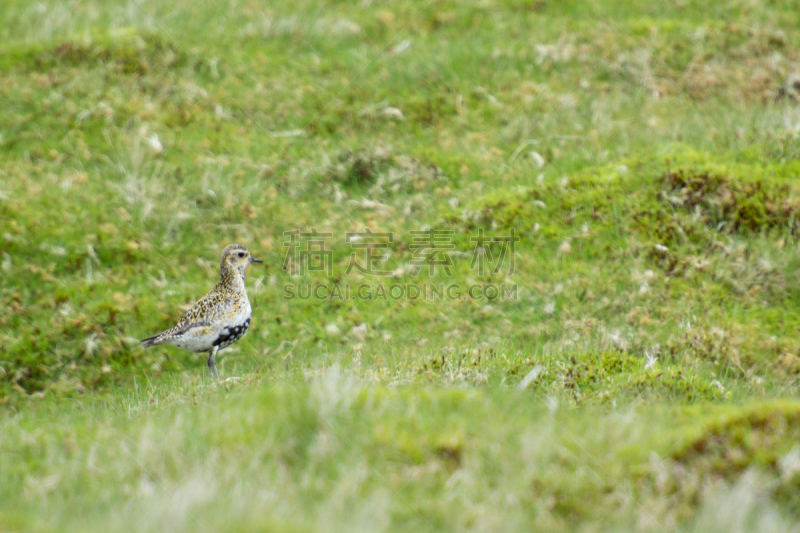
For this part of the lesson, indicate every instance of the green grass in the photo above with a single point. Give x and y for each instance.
(644, 378)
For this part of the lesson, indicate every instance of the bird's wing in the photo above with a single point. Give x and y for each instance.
(184, 326)
(204, 311)
(176, 331)
(208, 308)
(200, 315)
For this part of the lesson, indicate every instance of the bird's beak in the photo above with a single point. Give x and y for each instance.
(254, 260)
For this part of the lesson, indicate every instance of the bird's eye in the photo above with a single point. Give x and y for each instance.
(241, 254)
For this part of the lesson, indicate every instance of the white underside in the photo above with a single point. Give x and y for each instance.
(201, 339)
(194, 342)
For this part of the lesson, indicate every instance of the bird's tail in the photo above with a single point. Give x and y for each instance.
(150, 341)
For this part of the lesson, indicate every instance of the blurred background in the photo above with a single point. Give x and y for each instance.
(645, 154)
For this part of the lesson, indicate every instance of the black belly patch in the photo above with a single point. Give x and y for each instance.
(232, 334)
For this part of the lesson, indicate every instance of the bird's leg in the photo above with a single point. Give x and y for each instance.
(212, 362)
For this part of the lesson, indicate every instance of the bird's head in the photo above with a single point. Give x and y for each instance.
(236, 257)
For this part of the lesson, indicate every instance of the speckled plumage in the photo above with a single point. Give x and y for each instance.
(220, 318)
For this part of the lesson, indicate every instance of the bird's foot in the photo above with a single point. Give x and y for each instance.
(212, 364)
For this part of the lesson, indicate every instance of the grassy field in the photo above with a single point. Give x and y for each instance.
(641, 374)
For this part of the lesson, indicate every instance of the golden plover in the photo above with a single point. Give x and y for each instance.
(220, 318)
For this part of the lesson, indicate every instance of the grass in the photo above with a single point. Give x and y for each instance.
(644, 377)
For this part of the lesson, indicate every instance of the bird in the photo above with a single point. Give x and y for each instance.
(220, 318)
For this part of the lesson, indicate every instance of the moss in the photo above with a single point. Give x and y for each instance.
(129, 52)
(692, 215)
(587, 377)
(693, 209)
(727, 204)
(756, 437)
(357, 169)
(385, 174)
